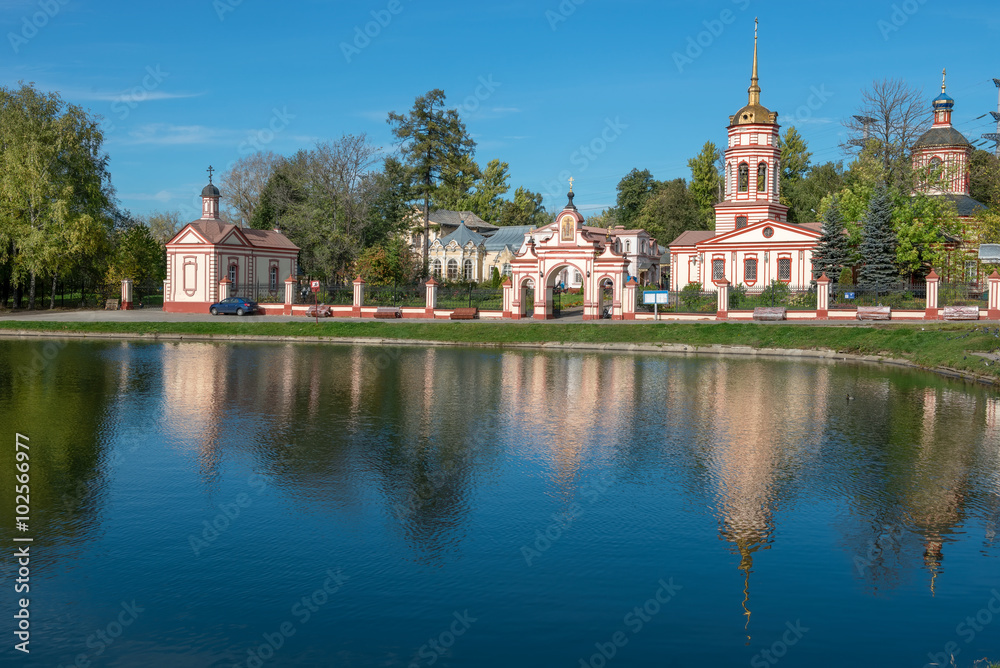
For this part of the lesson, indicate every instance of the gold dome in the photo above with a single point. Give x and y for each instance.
(754, 112)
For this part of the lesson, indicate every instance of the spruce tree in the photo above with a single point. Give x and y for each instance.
(878, 244)
(832, 253)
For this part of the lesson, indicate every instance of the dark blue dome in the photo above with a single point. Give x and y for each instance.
(943, 101)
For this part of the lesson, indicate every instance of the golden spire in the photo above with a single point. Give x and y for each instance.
(944, 79)
(754, 89)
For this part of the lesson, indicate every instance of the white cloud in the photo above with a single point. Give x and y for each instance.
(162, 196)
(167, 134)
(126, 95)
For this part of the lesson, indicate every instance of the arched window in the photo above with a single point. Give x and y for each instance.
(741, 222)
(467, 270)
(785, 269)
(507, 270)
(628, 246)
(777, 178)
(233, 273)
(744, 184)
(274, 277)
(452, 270)
(935, 169)
(436, 269)
(718, 269)
(762, 177)
(750, 270)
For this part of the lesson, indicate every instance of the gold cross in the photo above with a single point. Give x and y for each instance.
(571, 184)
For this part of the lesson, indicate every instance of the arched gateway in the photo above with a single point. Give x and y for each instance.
(568, 244)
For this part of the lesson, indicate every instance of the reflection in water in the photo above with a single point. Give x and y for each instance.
(427, 426)
(451, 452)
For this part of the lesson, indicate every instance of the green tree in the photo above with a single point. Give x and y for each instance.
(606, 218)
(922, 225)
(879, 243)
(633, 192)
(487, 201)
(832, 253)
(391, 262)
(55, 189)
(706, 182)
(135, 254)
(525, 209)
(795, 166)
(671, 211)
(163, 225)
(457, 181)
(285, 191)
(807, 195)
(433, 140)
(333, 202)
(984, 178)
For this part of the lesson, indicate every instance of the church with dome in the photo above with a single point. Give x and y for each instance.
(210, 259)
(753, 243)
(942, 158)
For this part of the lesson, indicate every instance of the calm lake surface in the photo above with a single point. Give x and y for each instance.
(293, 505)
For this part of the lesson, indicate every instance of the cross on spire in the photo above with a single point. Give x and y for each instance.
(210, 170)
(944, 79)
(754, 89)
(571, 179)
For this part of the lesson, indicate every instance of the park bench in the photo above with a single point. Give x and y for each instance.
(465, 313)
(961, 313)
(874, 313)
(770, 313)
(388, 312)
(111, 305)
(319, 311)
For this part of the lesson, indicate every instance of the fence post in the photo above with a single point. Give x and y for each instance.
(432, 297)
(127, 294)
(932, 296)
(629, 297)
(823, 298)
(290, 284)
(224, 288)
(508, 297)
(359, 296)
(994, 307)
(722, 312)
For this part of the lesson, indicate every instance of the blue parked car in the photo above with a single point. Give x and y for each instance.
(234, 306)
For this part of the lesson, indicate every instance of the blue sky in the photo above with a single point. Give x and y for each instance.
(642, 84)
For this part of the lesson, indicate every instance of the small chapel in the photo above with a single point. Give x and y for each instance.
(209, 257)
(753, 243)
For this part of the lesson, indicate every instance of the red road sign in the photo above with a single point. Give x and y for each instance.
(315, 286)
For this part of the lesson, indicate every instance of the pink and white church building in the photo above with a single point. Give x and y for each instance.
(209, 259)
(753, 243)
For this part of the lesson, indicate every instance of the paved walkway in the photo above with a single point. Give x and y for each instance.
(157, 315)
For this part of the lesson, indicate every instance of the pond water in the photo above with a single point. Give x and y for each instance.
(195, 504)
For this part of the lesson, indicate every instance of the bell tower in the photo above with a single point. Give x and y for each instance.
(941, 157)
(753, 164)
(210, 196)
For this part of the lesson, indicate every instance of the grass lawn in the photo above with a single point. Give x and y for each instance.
(928, 344)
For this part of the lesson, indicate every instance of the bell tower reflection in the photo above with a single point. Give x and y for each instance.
(755, 448)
